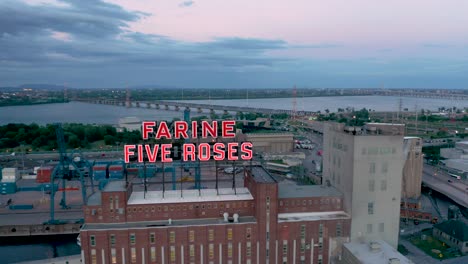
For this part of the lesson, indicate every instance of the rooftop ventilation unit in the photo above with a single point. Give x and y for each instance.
(374, 247)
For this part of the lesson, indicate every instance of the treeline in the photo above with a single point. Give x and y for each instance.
(37, 137)
(30, 101)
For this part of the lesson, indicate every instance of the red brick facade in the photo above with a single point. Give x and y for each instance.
(259, 236)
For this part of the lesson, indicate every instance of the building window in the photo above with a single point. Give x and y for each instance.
(338, 229)
(112, 240)
(248, 233)
(229, 250)
(381, 227)
(372, 167)
(93, 256)
(229, 234)
(172, 237)
(192, 251)
(303, 231)
(383, 185)
(133, 255)
(111, 202)
(153, 254)
(249, 249)
(211, 251)
(385, 167)
(370, 208)
(211, 234)
(321, 230)
(132, 239)
(371, 185)
(92, 240)
(113, 256)
(172, 255)
(285, 248)
(320, 259)
(152, 238)
(369, 228)
(191, 236)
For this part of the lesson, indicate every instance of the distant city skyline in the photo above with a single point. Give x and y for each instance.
(234, 44)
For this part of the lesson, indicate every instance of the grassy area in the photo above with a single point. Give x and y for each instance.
(402, 249)
(434, 247)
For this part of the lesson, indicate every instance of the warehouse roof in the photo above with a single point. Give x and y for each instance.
(290, 189)
(455, 228)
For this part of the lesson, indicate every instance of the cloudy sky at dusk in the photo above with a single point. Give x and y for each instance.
(229, 44)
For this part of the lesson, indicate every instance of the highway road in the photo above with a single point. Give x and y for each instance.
(457, 190)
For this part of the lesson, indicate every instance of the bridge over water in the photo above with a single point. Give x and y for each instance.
(200, 108)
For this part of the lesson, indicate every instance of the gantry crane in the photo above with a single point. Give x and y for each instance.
(61, 172)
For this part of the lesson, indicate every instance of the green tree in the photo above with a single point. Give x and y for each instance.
(109, 140)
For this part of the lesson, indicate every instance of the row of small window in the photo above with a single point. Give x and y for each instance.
(172, 237)
(172, 253)
(384, 168)
(211, 234)
(370, 228)
(285, 251)
(190, 207)
(450, 238)
(310, 202)
(383, 185)
(378, 151)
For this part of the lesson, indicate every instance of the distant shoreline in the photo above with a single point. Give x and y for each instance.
(33, 103)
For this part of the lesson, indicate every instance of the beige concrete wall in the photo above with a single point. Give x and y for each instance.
(412, 170)
(354, 163)
(271, 143)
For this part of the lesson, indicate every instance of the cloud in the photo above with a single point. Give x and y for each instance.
(186, 3)
(437, 45)
(84, 35)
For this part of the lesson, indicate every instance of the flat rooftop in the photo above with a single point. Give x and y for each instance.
(261, 175)
(94, 199)
(312, 216)
(362, 251)
(115, 186)
(290, 189)
(165, 223)
(190, 196)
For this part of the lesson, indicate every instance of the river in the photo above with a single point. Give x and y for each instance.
(19, 249)
(76, 112)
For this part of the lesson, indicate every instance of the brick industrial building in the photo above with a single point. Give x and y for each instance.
(265, 221)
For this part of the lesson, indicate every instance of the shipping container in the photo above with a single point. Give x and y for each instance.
(10, 175)
(29, 177)
(150, 171)
(29, 188)
(47, 187)
(21, 207)
(7, 187)
(100, 172)
(44, 173)
(116, 171)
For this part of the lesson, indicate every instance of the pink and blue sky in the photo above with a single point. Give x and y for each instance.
(235, 44)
